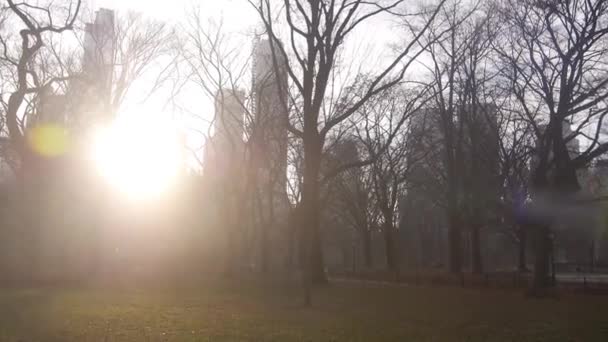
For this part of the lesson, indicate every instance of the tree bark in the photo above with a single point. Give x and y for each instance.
(521, 260)
(454, 243)
(542, 278)
(389, 244)
(317, 264)
(263, 249)
(367, 247)
(476, 261)
(311, 212)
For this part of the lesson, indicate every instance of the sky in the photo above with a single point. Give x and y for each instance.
(237, 17)
(236, 13)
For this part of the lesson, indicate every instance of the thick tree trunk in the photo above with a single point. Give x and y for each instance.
(314, 272)
(542, 278)
(565, 184)
(389, 245)
(264, 248)
(454, 243)
(267, 224)
(32, 197)
(367, 247)
(521, 260)
(317, 265)
(292, 242)
(476, 261)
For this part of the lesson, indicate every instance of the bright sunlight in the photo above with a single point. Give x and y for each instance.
(138, 155)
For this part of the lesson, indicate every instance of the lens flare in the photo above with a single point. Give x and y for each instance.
(140, 158)
(48, 140)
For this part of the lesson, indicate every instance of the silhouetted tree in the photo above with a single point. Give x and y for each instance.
(316, 33)
(554, 55)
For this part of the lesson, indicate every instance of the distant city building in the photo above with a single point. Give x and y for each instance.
(95, 83)
(52, 109)
(99, 49)
(229, 115)
(270, 101)
(225, 150)
(268, 142)
(87, 99)
(342, 243)
(423, 220)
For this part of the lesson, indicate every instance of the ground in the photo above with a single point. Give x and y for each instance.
(221, 311)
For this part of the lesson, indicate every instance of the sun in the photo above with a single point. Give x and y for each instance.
(139, 156)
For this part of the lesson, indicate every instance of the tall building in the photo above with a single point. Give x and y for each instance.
(269, 152)
(344, 214)
(229, 115)
(270, 111)
(87, 99)
(424, 219)
(95, 84)
(99, 50)
(52, 108)
(225, 150)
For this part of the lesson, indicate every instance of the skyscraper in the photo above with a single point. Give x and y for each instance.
(88, 97)
(95, 84)
(225, 150)
(99, 49)
(229, 115)
(269, 150)
(270, 111)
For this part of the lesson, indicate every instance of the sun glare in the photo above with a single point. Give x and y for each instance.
(138, 156)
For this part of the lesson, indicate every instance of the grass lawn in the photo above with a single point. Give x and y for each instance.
(340, 312)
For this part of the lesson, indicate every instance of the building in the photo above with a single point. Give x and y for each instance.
(268, 134)
(225, 150)
(344, 222)
(99, 51)
(270, 114)
(95, 83)
(52, 109)
(423, 225)
(88, 96)
(229, 115)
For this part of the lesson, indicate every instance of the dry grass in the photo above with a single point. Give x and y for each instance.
(228, 312)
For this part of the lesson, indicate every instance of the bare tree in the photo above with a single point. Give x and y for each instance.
(38, 24)
(515, 151)
(465, 112)
(126, 49)
(215, 66)
(352, 192)
(554, 56)
(221, 67)
(316, 32)
(390, 170)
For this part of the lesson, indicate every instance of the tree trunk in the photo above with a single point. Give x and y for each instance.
(542, 278)
(292, 243)
(454, 243)
(521, 262)
(592, 257)
(266, 224)
(477, 267)
(263, 248)
(389, 243)
(367, 247)
(314, 272)
(565, 183)
(317, 265)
